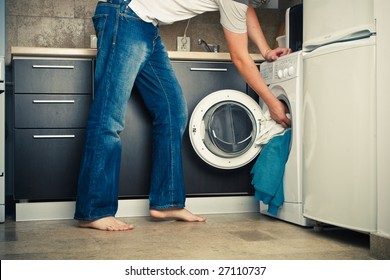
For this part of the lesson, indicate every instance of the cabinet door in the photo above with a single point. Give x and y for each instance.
(46, 163)
(136, 139)
(52, 76)
(51, 111)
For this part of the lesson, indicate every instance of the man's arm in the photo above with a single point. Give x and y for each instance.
(238, 48)
(256, 35)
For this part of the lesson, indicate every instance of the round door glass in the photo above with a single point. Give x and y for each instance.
(230, 129)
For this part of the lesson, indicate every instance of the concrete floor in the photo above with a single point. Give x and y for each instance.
(228, 236)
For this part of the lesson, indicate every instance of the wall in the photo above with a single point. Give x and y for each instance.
(208, 28)
(67, 24)
(49, 23)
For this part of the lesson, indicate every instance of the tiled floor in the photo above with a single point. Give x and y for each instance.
(227, 236)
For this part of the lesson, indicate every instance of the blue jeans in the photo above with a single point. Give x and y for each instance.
(130, 52)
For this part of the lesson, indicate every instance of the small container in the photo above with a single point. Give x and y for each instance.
(281, 41)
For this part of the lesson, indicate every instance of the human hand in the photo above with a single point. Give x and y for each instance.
(279, 111)
(274, 54)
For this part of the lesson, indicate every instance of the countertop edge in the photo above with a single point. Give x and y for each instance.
(89, 53)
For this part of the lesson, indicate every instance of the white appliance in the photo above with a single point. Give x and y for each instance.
(284, 78)
(2, 108)
(339, 92)
(381, 8)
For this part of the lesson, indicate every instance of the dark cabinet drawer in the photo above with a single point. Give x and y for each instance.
(48, 163)
(53, 76)
(51, 111)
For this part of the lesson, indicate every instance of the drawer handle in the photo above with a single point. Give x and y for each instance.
(70, 136)
(209, 69)
(53, 101)
(53, 66)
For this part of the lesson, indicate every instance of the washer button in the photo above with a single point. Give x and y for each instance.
(280, 74)
(291, 70)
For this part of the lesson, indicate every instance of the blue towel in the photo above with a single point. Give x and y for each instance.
(268, 172)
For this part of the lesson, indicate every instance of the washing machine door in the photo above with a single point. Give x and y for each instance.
(223, 129)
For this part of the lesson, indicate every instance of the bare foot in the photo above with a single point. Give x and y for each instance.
(176, 214)
(107, 223)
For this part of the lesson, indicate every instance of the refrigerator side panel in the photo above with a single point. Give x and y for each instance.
(382, 9)
(339, 142)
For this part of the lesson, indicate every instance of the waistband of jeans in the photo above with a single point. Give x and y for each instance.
(115, 1)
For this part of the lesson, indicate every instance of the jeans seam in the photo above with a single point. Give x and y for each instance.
(102, 114)
(170, 133)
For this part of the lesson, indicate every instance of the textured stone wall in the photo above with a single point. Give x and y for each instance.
(208, 28)
(49, 23)
(67, 23)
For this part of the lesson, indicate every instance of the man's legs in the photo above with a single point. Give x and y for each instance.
(123, 46)
(163, 96)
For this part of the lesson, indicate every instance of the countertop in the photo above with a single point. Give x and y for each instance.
(87, 53)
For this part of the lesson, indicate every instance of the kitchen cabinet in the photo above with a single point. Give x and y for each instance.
(50, 103)
(50, 108)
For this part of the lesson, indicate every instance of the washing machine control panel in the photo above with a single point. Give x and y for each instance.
(285, 68)
(267, 72)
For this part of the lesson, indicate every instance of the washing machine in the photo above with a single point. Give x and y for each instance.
(284, 78)
(218, 147)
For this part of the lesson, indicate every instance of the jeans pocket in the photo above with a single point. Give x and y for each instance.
(99, 23)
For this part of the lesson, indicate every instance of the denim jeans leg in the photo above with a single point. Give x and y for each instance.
(124, 43)
(163, 96)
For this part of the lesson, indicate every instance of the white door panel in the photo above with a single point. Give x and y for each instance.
(339, 142)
